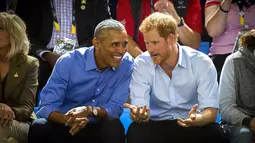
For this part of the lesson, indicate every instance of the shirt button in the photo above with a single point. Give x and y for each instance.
(98, 89)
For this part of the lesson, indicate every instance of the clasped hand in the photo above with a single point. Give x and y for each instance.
(6, 115)
(138, 114)
(77, 119)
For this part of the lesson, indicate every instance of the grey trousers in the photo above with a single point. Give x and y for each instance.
(14, 132)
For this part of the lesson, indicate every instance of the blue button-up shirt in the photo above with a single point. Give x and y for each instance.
(194, 81)
(76, 81)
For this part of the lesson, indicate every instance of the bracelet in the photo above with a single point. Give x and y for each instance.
(226, 11)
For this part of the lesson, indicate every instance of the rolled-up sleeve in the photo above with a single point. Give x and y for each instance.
(114, 107)
(208, 93)
(140, 85)
(53, 93)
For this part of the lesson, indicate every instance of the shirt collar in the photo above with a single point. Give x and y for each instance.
(181, 58)
(91, 62)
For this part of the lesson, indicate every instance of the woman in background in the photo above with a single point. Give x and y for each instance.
(223, 21)
(18, 80)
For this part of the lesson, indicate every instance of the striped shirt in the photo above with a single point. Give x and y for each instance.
(64, 16)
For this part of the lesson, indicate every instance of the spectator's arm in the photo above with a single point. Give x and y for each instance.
(140, 85)
(133, 48)
(207, 88)
(125, 16)
(190, 33)
(53, 94)
(228, 107)
(216, 19)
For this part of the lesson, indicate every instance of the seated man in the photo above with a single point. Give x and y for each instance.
(82, 101)
(174, 81)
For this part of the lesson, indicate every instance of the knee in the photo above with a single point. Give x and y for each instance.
(241, 134)
(114, 126)
(134, 130)
(38, 127)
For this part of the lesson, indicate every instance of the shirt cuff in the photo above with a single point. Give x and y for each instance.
(42, 52)
(45, 111)
(140, 102)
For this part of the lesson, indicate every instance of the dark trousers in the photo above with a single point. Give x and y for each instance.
(218, 61)
(169, 131)
(105, 131)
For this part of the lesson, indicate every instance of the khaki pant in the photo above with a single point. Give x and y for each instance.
(14, 132)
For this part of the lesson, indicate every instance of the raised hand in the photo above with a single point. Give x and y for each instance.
(191, 120)
(166, 6)
(138, 114)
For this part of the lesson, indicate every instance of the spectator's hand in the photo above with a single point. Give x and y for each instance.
(192, 118)
(252, 125)
(51, 58)
(166, 6)
(6, 115)
(228, 1)
(138, 114)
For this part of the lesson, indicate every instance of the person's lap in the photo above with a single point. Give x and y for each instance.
(238, 134)
(15, 129)
(103, 131)
(169, 130)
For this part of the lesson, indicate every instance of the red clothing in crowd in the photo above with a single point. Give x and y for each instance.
(193, 17)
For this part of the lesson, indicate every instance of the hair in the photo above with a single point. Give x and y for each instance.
(108, 24)
(165, 24)
(16, 29)
(248, 40)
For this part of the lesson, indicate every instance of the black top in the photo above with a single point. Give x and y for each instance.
(3, 85)
(2, 5)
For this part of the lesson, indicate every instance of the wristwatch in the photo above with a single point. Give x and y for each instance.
(94, 111)
(181, 22)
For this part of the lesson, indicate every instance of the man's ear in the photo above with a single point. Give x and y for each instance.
(95, 43)
(171, 39)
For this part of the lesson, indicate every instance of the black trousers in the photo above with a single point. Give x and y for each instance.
(218, 61)
(105, 131)
(169, 131)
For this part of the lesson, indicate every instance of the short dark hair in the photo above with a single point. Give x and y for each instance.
(108, 24)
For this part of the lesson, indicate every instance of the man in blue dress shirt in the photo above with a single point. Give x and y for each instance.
(83, 99)
(174, 90)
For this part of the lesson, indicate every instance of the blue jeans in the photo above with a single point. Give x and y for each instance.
(238, 134)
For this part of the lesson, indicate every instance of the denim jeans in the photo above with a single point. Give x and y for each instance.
(238, 134)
